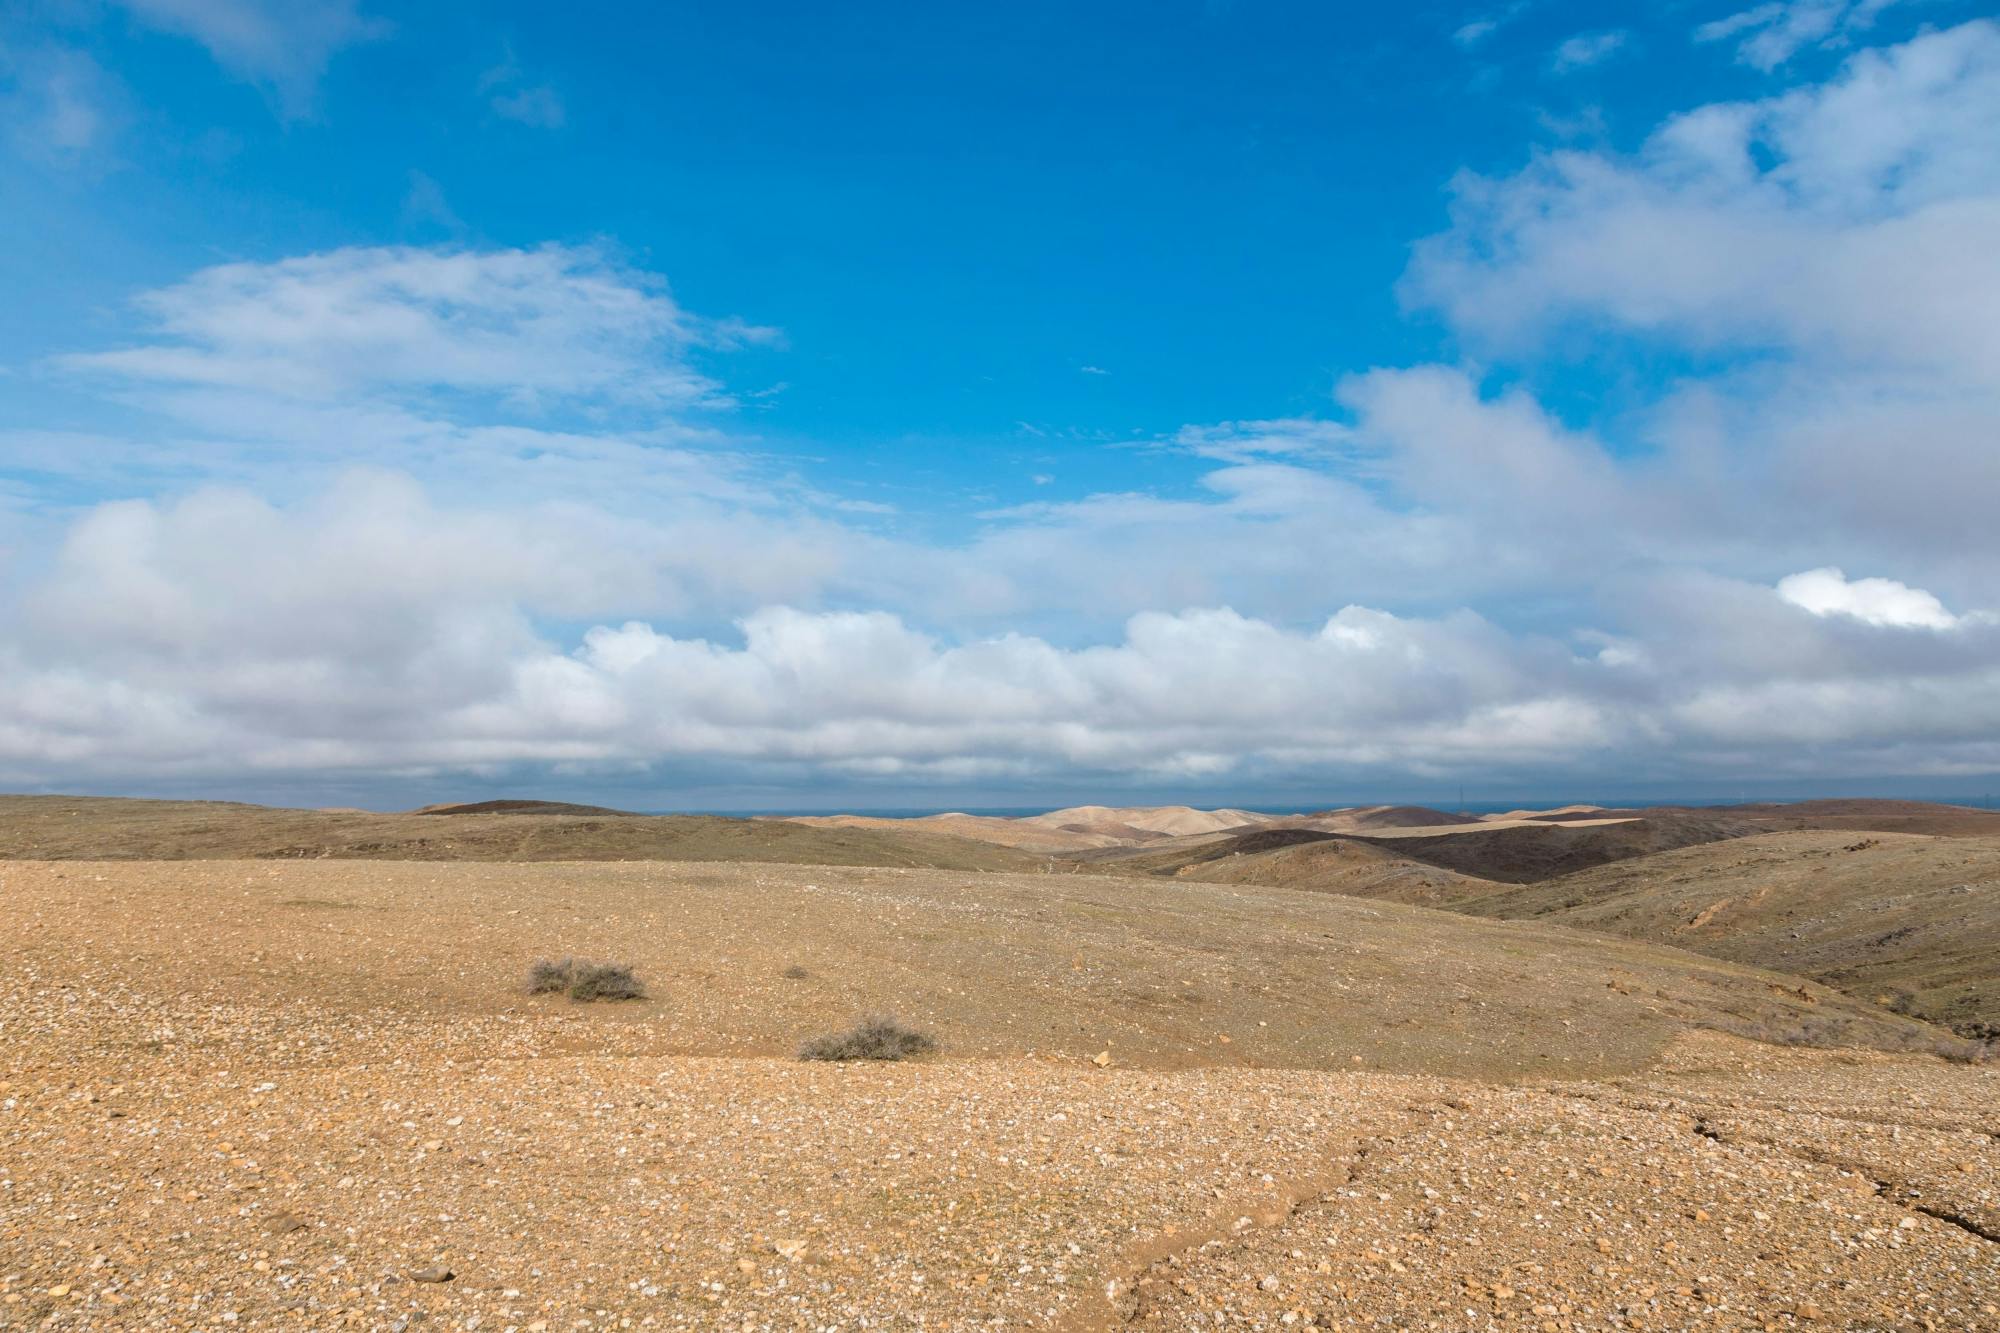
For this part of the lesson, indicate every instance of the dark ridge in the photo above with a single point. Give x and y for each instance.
(1529, 853)
(1262, 840)
(1413, 816)
(521, 808)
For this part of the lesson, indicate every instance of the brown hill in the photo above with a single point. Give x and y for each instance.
(1903, 919)
(519, 807)
(1515, 853)
(1526, 852)
(96, 828)
(1325, 863)
(1361, 818)
(1874, 816)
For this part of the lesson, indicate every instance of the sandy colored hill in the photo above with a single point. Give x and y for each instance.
(1558, 813)
(66, 827)
(1363, 818)
(1025, 834)
(1903, 918)
(1171, 820)
(311, 1094)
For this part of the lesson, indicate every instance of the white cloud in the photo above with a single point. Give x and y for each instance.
(511, 97)
(1770, 34)
(1850, 220)
(1247, 441)
(549, 539)
(540, 106)
(425, 203)
(1586, 49)
(1474, 33)
(1828, 592)
(552, 324)
(375, 632)
(282, 45)
(57, 104)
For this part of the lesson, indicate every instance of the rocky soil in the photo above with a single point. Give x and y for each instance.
(221, 1112)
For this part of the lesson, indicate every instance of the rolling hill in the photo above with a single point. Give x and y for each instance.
(97, 828)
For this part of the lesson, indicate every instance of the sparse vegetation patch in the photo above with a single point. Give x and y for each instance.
(584, 981)
(876, 1037)
(1830, 1033)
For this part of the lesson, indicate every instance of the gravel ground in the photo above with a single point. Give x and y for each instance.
(283, 1151)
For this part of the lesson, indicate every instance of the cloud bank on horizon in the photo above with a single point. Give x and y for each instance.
(1699, 480)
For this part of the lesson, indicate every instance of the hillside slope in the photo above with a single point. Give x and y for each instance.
(1159, 972)
(70, 828)
(1907, 919)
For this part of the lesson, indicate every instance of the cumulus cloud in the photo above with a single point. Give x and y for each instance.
(375, 633)
(427, 510)
(283, 46)
(1828, 592)
(1849, 220)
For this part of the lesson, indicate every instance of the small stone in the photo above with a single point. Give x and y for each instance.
(432, 1275)
(1101, 1059)
(1270, 1282)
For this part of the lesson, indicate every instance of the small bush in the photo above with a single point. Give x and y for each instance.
(584, 981)
(873, 1038)
(795, 973)
(547, 977)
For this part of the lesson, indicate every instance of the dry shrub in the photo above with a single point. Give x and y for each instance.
(547, 977)
(876, 1037)
(584, 981)
(1823, 1033)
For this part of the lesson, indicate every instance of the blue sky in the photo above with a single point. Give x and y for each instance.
(770, 405)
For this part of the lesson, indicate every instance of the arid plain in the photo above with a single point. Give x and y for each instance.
(1377, 1068)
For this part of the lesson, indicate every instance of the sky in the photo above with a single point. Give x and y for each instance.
(801, 406)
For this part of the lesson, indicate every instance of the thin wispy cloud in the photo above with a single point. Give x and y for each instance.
(511, 96)
(280, 46)
(56, 103)
(1586, 49)
(1768, 35)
